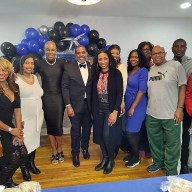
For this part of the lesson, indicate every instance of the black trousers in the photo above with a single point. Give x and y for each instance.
(106, 147)
(80, 130)
(185, 139)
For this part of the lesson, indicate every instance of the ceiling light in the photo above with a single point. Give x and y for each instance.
(185, 5)
(84, 2)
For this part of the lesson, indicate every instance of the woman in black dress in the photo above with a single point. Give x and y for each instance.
(107, 98)
(51, 71)
(11, 138)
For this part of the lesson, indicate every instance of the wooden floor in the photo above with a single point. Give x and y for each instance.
(65, 174)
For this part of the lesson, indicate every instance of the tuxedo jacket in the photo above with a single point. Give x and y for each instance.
(73, 87)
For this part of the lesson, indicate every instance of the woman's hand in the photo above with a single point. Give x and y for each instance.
(131, 111)
(18, 132)
(122, 109)
(17, 141)
(112, 118)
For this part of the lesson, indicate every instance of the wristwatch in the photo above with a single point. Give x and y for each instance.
(10, 129)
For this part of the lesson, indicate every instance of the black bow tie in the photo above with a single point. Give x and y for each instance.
(82, 65)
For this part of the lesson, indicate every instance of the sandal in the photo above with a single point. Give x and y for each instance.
(54, 159)
(60, 157)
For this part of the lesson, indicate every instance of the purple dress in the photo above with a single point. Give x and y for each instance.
(136, 82)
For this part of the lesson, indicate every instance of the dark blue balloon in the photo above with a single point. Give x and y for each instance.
(41, 52)
(31, 34)
(75, 30)
(33, 46)
(107, 47)
(85, 29)
(42, 40)
(84, 40)
(25, 42)
(22, 49)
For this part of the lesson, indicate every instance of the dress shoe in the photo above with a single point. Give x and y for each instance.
(102, 164)
(86, 154)
(109, 167)
(76, 161)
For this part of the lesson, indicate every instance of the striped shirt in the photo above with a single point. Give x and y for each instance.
(187, 65)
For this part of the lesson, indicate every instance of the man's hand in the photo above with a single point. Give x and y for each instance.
(70, 111)
(178, 116)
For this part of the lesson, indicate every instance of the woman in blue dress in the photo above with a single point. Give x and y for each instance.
(135, 103)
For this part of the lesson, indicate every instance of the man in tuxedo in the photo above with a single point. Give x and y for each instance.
(76, 90)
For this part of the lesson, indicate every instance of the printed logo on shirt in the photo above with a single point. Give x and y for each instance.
(158, 77)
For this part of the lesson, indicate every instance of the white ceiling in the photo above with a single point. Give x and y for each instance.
(109, 8)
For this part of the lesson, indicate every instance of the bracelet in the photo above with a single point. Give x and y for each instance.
(179, 107)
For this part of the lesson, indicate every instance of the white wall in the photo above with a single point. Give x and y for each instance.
(127, 32)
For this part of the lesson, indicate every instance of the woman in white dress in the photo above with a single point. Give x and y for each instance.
(116, 51)
(32, 112)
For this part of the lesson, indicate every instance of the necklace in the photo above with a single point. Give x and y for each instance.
(29, 80)
(50, 63)
(6, 87)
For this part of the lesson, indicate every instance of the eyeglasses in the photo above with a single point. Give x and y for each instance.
(146, 49)
(159, 53)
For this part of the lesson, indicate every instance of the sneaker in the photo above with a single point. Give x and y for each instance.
(128, 157)
(133, 162)
(154, 168)
(60, 157)
(54, 159)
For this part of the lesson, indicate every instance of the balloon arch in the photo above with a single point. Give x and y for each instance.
(65, 37)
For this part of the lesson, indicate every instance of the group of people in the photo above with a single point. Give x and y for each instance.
(144, 99)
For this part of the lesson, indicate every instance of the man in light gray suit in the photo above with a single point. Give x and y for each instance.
(76, 90)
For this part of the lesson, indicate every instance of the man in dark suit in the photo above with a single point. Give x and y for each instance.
(76, 89)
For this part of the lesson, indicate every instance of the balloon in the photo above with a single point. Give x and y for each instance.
(53, 35)
(84, 40)
(50, 28)
(8, 49)
(16, 63)
(92, 49)
(107, 47)
(31, 34)
(58, 25)
(37, 59)
(41, 52)
(21, 49)
(42, 40)
(64, 32)
(85, 29)
(33, 46)
(69, 25)
(93, 36)
(44, 30)
(75, 30)
(62, 45)
(101, 43)
(24, 41)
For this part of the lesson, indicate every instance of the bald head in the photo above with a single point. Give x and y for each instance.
(158, 55)
(50, 50)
